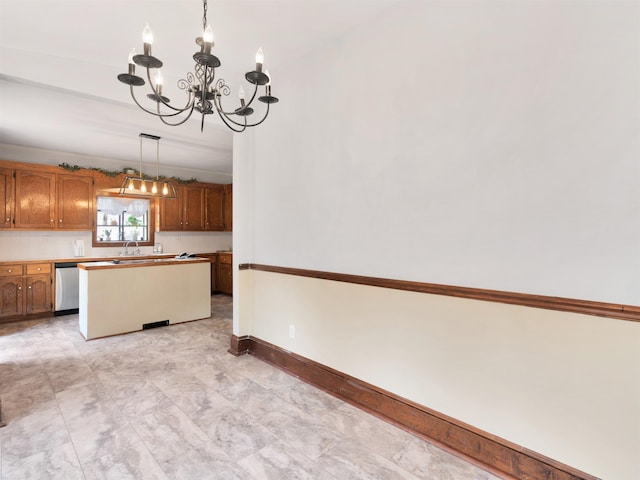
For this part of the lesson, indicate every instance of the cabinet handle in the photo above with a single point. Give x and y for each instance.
(19, 287)
(52, 220)
(29, 287)
(38, 268)
(60, 220)
(9, 270)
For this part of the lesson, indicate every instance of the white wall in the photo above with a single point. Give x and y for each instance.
(482, 144)
(50, 245)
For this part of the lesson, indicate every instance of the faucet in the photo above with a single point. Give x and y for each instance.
(126, 248)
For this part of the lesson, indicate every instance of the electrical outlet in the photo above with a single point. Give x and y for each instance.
(292, 331)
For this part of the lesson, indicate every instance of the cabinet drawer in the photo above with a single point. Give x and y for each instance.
(11, 270)
(37, 268)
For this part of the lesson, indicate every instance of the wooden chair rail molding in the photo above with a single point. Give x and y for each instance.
(500, 456)
(586, 307)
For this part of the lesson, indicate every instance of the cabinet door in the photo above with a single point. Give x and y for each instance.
(38, 294)
(225, 278)
(6, 197)
(214, 268)
(228, 208)
(75, 202)
(225, 273)
(171, 212)
(214, 203)
(193, 201)
(214, 275)
(11, 296)
(35, 200)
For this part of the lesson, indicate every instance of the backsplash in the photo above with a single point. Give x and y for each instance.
(45, 245)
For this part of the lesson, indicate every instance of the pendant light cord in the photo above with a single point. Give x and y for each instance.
(140, 171)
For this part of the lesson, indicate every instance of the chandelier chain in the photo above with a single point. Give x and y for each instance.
(204, 17)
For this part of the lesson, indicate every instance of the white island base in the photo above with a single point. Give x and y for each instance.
(136, 294)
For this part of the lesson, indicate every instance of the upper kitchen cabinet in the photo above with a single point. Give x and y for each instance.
(214, 219)
(193, 204)
(35, 200)
(6, 197)
(47, 197)
(228, 208)
(74, 206)
(196, 208)
(39, 197)
(48, 201)
(171, 212)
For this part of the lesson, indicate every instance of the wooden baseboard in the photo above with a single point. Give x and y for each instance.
(497, 454)
(31, 316)
(239, 345)
(2, 424)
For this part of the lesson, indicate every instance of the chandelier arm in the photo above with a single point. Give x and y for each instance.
(254, 124)
(231, 127)
(255, 91)
(160, 115)
(247, 104)
(225, 119)
(263, 118)
(226, 116)
(223, 87)
(159, 99)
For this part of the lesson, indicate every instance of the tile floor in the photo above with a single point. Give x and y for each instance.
(171, 403)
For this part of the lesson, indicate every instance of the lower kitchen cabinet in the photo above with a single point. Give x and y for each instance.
(225, 273)
(25, 289)
(38, 298)
(11, 296)
(213, 261)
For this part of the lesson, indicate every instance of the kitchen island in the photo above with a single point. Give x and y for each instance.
(134, 294)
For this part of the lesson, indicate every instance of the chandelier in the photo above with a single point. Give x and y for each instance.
(203, 95)
(140, 186)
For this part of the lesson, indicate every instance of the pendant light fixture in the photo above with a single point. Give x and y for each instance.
(149, 188)
(203, 95)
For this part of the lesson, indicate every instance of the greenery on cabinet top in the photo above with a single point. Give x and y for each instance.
(125, 170)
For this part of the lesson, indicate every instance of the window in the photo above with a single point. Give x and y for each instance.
(123, 219)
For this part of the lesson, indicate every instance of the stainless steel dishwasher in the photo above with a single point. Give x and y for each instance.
(67, 288)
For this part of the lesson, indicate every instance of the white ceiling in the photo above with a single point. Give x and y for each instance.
(59, 61)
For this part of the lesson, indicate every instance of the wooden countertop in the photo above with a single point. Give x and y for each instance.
(105, 259)
(140, 262)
